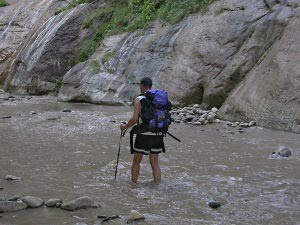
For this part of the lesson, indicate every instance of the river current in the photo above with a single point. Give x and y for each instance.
(72, 154)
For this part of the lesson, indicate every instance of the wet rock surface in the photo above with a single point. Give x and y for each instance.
(79, 203)
(32, 202)
(53, 202)
(9, 206)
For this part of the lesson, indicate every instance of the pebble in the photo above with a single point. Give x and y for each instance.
(135, 215)
(251, 123)
(214, 205)
(282, 152)
(11, 177)
(108, 218)
(53, 202)
(67, 110)
(285, 152)
(5, 117)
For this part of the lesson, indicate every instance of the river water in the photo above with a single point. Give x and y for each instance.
(69, 155)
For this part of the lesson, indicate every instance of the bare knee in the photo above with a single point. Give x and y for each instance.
(137, 158)
(154, 160)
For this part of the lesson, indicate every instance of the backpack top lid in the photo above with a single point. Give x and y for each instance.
(158, 97)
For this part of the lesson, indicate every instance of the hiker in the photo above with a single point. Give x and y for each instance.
(145, 143)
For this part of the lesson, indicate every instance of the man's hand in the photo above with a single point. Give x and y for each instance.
(123, 126)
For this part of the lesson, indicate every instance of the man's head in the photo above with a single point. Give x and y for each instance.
(145, 84)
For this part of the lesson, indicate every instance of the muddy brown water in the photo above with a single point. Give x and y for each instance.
(69, 155)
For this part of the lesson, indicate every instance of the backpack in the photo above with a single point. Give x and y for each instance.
(155, 115)
(155, 111)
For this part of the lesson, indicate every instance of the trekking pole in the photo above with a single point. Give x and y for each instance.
(121, 135)
(177, 139)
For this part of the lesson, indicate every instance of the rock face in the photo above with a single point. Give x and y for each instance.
(47, 55)
(9, 206)
(80, 203)
(271, 93)
(200, 60)
(19, 21)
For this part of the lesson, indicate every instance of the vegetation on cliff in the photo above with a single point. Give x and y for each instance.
(120, 16)
(3, 3)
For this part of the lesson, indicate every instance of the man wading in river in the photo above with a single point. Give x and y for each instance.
(149, 138)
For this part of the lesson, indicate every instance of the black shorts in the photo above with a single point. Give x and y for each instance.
(146, 144)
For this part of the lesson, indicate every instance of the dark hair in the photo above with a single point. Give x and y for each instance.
(146, 82)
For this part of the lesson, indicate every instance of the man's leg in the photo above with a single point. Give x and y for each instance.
(155, 168)
(135, 168)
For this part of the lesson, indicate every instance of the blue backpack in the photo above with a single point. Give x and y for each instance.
(155, 111)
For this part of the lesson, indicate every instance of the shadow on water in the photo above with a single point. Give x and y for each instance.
(68, 155)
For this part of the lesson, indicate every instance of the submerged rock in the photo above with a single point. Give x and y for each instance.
(32, 202)
(8, 206)
(80, 203)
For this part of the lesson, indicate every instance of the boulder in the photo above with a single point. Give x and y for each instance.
(79, 203)
(32, 202)
(8, 206)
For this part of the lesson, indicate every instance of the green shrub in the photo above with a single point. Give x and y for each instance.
(130, 15)
(108, 56)
(3, 3)
(71, 5)
(58, 83)
(95, 65)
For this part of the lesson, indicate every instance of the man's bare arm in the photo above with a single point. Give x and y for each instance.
(135, 117)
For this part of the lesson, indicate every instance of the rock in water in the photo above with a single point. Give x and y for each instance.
(285, 152)
(135, 215)
(67, 110)
(80, 203)
(214, 205)
(32, 202)
(11, 177)
(7, 206)
(14, 198)
(53, 202)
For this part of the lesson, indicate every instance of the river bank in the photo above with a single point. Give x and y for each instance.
(68, 150)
